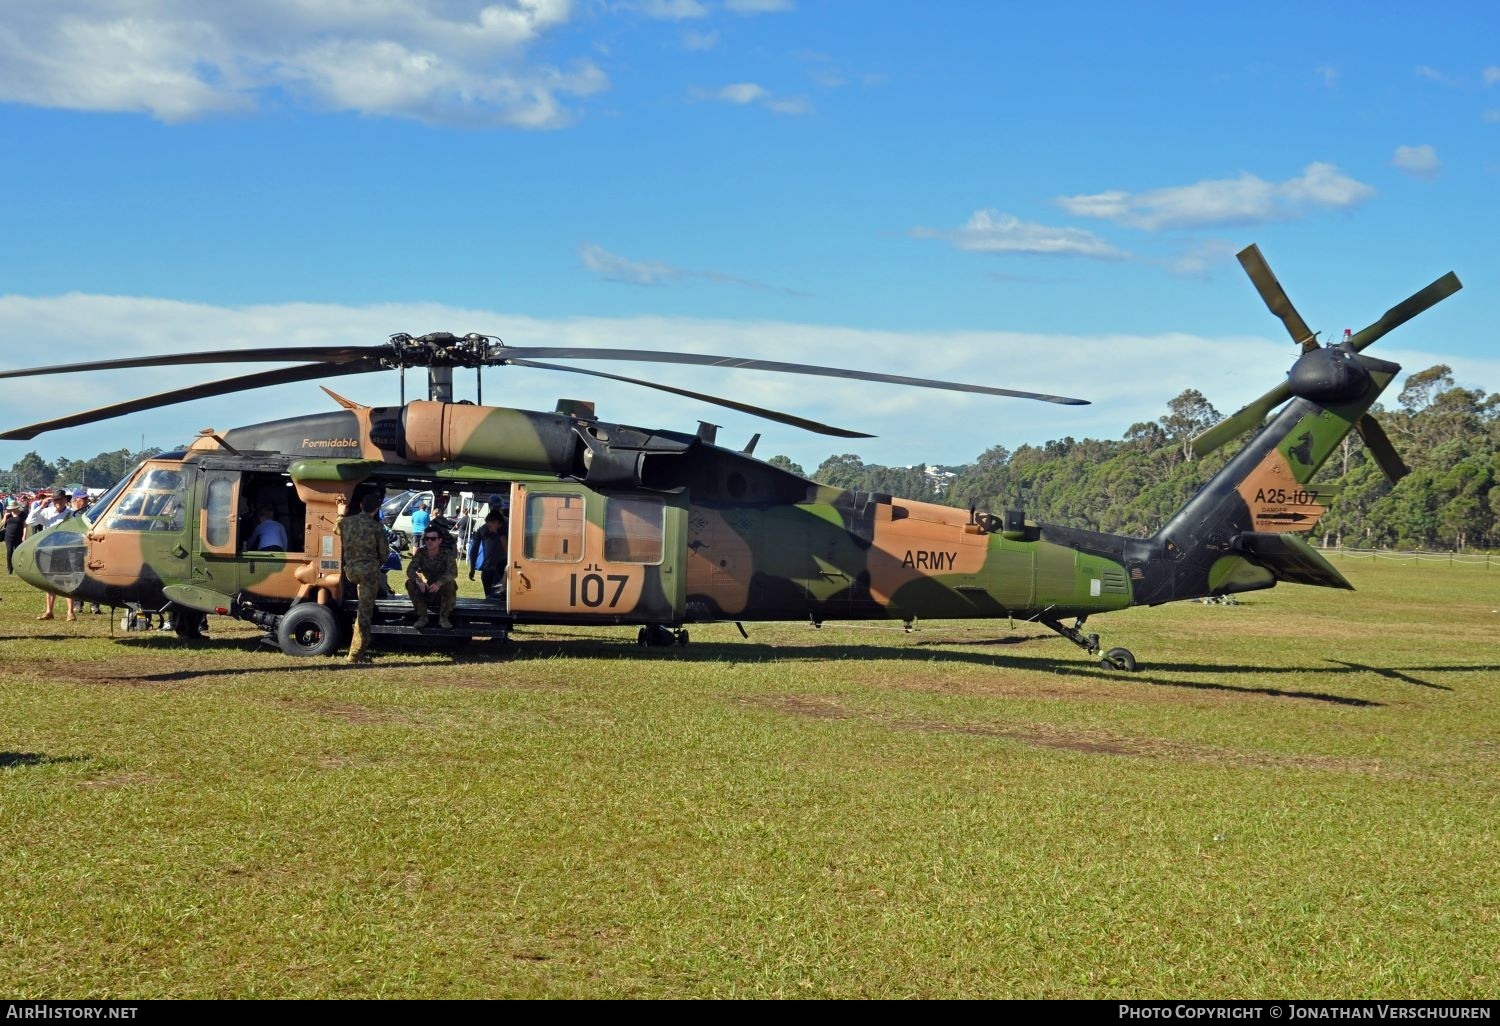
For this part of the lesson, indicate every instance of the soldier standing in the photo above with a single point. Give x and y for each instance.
(364, 548)
(433, 574)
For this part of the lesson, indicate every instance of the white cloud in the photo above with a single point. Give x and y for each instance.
(741, 92)
(1491, 75)
(758, 6)
(612, 267)
(699, 41)
(672, 10)
(1432, 74)
(631, 272)
(1329, 74)
(744, 93)
(1420, 161)
(459, 60)
(1130, 377)
(790, 105)
(989, 231)
(1247, 199)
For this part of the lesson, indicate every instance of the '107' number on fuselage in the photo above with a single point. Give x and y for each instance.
(589, 589)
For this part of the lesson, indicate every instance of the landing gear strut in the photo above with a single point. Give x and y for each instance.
(1114, 659)
(656, 635)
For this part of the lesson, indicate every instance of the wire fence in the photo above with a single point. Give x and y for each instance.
(1483, 560)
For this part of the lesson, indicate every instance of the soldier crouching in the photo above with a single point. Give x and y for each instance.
(431, 576)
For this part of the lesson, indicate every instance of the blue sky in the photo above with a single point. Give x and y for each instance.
(1035, 197)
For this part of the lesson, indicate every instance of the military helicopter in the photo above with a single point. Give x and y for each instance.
(613, 524)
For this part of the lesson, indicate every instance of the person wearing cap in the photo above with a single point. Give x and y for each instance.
(41, 504)
(79, 503)
(55, 513)
(15, 528)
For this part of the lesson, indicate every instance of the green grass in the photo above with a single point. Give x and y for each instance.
(1294, 797)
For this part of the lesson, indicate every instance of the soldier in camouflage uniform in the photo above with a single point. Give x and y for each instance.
(433, 574)
(365, 547)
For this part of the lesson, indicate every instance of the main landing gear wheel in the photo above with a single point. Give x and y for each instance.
(1118, 659)
(309, 629)
(656, 635)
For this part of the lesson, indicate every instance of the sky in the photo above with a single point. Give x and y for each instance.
(1037, 197)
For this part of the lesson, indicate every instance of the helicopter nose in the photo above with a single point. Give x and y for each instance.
(53, 561)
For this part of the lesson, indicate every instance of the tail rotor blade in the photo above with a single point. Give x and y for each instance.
(1275, 296)
(1238, 423)
(1407, 309)
(1379, 444)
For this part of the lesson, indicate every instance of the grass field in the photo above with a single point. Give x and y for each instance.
(1297, 796)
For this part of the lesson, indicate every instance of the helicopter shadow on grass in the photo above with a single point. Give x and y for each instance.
(729, 652)
(14, 759)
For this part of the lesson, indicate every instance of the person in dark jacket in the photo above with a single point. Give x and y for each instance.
(490, 543)
(15, 529)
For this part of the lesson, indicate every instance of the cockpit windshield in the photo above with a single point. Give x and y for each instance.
(153, 502)
(101, 504)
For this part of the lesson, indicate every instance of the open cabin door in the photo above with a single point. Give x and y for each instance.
(581, 555)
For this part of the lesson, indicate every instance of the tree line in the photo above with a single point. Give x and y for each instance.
(1449, 437)
(31, 472)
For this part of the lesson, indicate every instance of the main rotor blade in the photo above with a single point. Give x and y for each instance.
(1275, 296)
(283, 354)
(755, 411)
(1379, 444)
(1407, 309)
(261, 379)
(742, 363)
(1243, 420)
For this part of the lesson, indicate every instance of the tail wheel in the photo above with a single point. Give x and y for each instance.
(309, 629)
(1118, 659)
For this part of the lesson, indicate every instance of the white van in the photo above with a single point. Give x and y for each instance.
(460, 509)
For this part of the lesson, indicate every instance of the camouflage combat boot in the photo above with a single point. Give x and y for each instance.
(357, 643)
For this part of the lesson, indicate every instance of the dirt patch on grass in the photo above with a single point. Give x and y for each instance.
(999, 683)
(125, 778)
(797, 705)
(1087, 742)
(1096, 742)
(347, 712)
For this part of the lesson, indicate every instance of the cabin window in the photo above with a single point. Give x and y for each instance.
(554, 527)
(633, 529)
(220, 512)
(152, 503)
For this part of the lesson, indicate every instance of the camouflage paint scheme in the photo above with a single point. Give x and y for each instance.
(717, 535)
